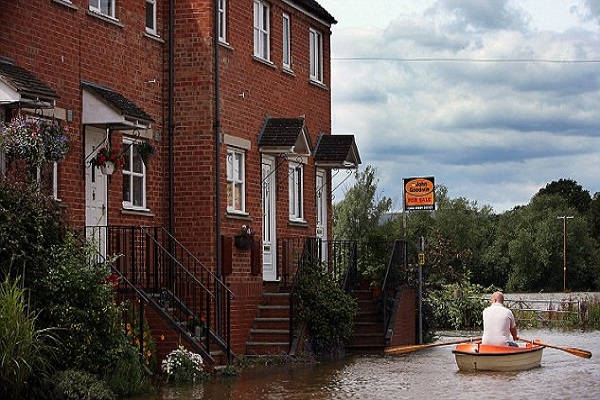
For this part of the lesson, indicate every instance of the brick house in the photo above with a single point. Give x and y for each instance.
(122, 74)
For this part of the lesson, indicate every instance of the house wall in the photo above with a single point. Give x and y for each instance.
(62, 43)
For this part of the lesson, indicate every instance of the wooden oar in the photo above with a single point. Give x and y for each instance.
(410, 349)
(571, 350)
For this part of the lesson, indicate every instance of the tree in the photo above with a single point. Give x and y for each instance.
(575, 196)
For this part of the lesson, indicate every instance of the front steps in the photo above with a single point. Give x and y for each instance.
(270, 334)
(368, 327)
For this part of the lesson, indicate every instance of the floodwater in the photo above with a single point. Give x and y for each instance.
(427, 374)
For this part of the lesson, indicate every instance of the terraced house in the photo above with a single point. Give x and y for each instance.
(218, 114)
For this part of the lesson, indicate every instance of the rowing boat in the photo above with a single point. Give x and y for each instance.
(484, 357)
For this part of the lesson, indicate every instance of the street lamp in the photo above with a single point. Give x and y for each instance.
(564, 218)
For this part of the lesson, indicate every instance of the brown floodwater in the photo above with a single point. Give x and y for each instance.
(427, 374)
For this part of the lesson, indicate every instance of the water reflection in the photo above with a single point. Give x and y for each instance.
(428, 374)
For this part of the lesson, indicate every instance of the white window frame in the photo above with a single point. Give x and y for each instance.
(222, 20)
(296, 192)
(236, 179)
(262, 36)
(96, 6)
(151, 29)
(316, 55)
(129, 147)
(287, 41)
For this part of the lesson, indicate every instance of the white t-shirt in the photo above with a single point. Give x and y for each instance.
(497, 322)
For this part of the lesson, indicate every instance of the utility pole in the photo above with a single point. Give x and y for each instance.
(564, 218)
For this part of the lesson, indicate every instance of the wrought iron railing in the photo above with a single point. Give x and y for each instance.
(151, 261)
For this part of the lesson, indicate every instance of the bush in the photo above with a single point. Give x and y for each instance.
(328, 311)
(73, 297)
(78, 385)
(25, 352)
(127, 378)
(457, 306)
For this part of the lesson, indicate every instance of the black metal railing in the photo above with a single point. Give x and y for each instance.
(155, 263)
(336, 258)
(395, 276)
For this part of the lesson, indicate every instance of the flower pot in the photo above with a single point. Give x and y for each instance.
(243, 242)
(108, 168)
(198, 331)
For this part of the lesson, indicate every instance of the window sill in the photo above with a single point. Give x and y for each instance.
(105, 18)
(288, 71)
(298, 222)
(154, 36)
(140, 212)
(318, 84)
(238, 214)
(225, 45)
(66, 4)
(268, 63)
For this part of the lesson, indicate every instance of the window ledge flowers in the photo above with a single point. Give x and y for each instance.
(107, 159)
(37, 141)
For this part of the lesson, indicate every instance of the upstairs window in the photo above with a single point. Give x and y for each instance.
(261, 30)
(223, 21)
(316, 56)
(236, 180)
(151, 17)
(287, 55)
(104, 7)
(296, 177)
(134, 176)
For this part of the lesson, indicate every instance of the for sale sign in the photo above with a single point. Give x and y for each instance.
(419, 194)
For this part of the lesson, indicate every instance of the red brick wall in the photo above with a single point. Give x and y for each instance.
(405, 325)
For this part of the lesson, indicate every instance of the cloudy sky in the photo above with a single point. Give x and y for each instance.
(493, 98)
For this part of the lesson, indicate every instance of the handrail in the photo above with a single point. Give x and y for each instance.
(156, 263)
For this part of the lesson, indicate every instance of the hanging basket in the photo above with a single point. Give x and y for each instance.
(243, 242)
(108, 168)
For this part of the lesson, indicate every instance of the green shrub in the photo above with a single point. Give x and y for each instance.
(25, 351)
(128, 378)
(457, 306)
(328, 311)
(78, 385)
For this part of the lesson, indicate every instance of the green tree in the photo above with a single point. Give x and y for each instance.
(573, 193)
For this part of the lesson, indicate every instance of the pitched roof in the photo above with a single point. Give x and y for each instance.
(284, 135)
(317, 9)
(111, 108)
(23, 86)
(337, 151)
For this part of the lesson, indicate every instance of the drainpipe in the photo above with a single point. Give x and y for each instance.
(170, 116)
(217, 128)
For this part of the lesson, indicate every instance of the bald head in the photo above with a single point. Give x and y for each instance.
(498, 297)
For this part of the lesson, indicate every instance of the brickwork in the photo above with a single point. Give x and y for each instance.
(64, 44)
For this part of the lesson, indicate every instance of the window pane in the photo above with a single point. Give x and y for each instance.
(126, 188)
(138, 191)
(150, 15)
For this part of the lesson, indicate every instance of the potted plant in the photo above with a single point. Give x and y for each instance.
(108, 160)
(37, 141)
(245, 238)
(145, 150)
(196, 325)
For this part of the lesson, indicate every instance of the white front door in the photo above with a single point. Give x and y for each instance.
(269, 240)
(321, 223)
(96, 200)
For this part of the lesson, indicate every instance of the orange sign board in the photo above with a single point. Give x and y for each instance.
(419, 194)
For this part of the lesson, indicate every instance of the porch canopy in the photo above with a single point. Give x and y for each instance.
(21, 88)
(103, 107)
(284, 136)
(337, 151)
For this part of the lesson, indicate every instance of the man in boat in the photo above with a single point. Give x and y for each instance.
(499, 327)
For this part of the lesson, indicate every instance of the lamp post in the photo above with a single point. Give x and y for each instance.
(564, 218)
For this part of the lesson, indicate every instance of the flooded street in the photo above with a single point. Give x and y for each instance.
(426, 374)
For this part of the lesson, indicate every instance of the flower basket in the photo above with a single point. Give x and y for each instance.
(36, 141)
(146, 151)
(108, 160)
(243, 242)
(245, 238)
